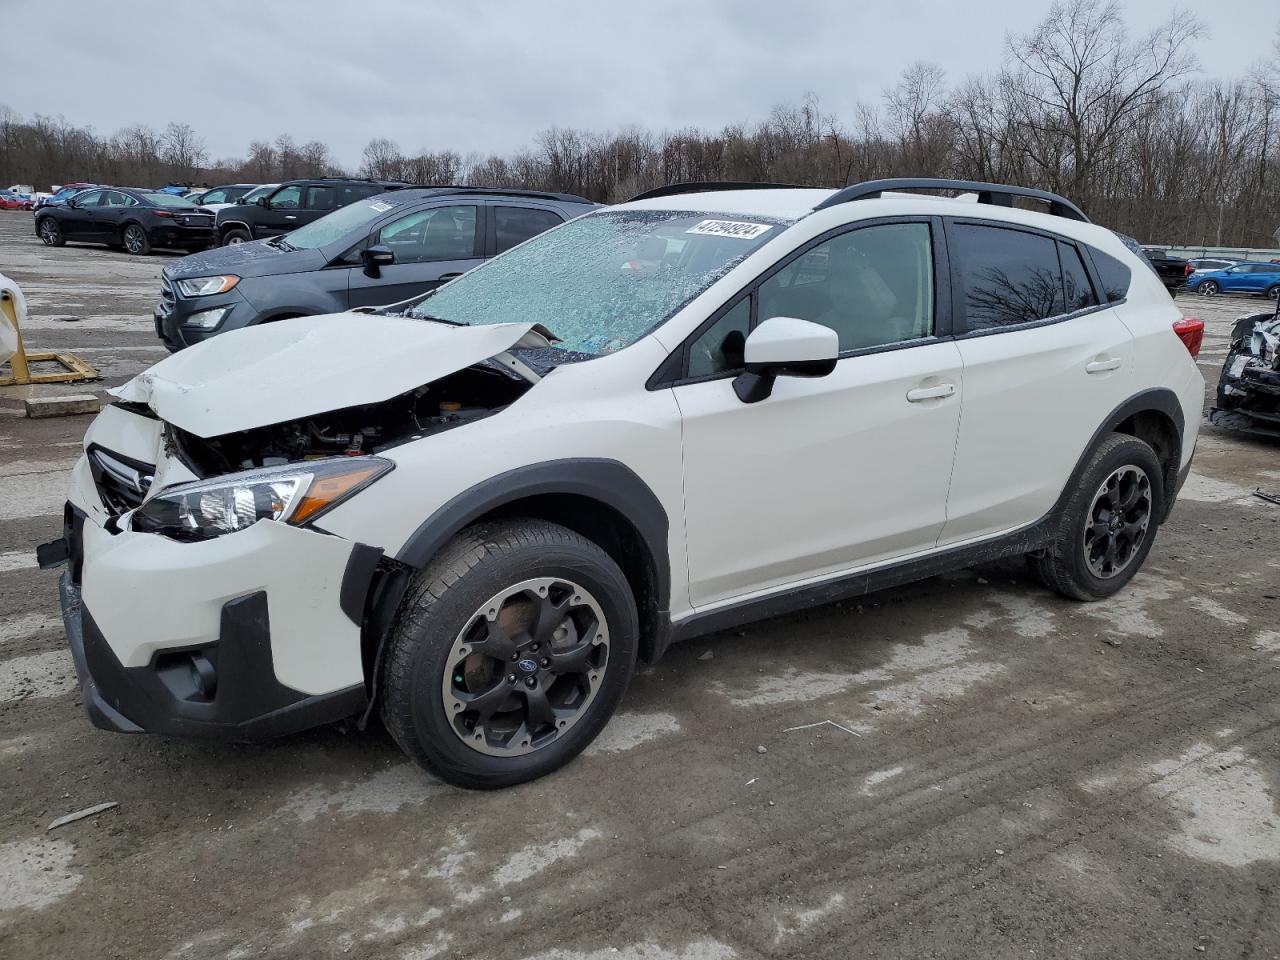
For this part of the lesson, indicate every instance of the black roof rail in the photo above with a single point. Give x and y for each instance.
(997, 194)
(707, 186)
(516, 192)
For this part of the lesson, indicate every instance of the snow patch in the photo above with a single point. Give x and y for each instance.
(40, 675)
(792, 686)
(879, 777)
(705, 949)
(432, 948)
(537, 857)
(1127, 612)
(1216, 610)
(628, 730)
(384, 792)
(801, 919)
(29, 625)
(1208, 490)
(36, 873)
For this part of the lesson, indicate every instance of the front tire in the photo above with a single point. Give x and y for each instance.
(235, 236)
(51, 233)
(1105, 531)
(135, 240)
(509, 653)
(1273, 292)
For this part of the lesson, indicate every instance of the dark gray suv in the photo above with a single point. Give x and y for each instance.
(373, 252)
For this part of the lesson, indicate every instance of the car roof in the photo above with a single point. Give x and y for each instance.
(413, 194)
(789, 203)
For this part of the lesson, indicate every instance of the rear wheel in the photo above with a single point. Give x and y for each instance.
(135, 240)
(1105, 531)
(51, 233)
(234, 236)
(509, 654)
(1209, 288)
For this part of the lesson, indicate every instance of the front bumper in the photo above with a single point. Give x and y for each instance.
(172, 312)
(252, 640)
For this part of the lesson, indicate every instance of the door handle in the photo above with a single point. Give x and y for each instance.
(1103, 366)
(931, 393)
(446, 277)
(289, 216)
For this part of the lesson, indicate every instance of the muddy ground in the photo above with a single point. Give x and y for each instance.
(1013, 775)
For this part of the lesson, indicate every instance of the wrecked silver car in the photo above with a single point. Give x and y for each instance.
(1249, 388)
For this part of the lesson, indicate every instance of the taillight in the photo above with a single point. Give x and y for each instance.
(1190, 331)
(163, 213)
(1188, 270)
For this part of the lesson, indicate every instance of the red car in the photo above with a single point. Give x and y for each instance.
(9, 202)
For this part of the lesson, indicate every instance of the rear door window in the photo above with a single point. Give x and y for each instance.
(1010, 277)
(514, 225)
(322, 198)
(1077, 288)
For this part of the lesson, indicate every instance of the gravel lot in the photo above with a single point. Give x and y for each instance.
(1025, 777)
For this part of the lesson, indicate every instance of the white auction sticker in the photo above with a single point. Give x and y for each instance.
(380, 205)
(1238, 365)
(730, 228)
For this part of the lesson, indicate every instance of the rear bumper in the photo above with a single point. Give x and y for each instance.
(181, 236)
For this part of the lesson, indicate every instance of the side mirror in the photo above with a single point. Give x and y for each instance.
(785, 347)
(375, 258)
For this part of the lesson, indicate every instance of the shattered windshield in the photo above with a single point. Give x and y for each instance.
(602, 281)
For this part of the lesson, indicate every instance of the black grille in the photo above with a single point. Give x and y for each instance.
(122, 482)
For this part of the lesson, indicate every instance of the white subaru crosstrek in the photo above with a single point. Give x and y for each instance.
(474, 513)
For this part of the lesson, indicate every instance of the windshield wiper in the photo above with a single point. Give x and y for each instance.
(427, 316)
(281, 243)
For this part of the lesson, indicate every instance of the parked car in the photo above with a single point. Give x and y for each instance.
(376, 251)
(11, 201)
(1173, 271)
(661, 419)
(1249, 385)
(62, 194)
(1204, 264)
(1255, 278)
(218, 198)
(176, 189)
(129, 218)
(293, 204)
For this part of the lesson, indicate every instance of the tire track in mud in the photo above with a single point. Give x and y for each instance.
(1001, 773)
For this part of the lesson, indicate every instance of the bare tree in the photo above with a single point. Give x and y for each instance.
(182, 150)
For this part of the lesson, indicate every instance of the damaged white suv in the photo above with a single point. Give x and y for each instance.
(699, 408)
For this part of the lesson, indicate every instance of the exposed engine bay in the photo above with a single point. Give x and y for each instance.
(1249, 389)
(461, 397)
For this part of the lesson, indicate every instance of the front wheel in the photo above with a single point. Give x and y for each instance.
(51, 233)
(1209, 288)
(509, 653)
(135, 240)
(1273, 292)
(1106, 529)
(235, 236)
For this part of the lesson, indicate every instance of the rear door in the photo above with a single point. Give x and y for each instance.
(432, 245)
(1045, 363)
(111, 213)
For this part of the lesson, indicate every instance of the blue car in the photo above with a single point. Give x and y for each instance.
(1256, 278)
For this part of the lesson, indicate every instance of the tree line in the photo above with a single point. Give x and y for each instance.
(1120, 123)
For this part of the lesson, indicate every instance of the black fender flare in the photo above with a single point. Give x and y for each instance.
(608, 482)
(1158, 400)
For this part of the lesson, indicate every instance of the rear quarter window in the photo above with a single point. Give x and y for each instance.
(1115, 276)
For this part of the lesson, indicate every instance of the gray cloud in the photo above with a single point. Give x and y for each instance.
(487, 77)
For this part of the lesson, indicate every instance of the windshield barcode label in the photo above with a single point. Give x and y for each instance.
(729, 228)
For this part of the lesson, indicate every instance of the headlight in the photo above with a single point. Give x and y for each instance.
(207, 286)
(296, 494)
(206, 319)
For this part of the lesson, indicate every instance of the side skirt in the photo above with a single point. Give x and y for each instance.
(1035, 537)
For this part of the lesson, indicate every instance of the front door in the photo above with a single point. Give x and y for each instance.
(281, 214)
(79, 221)
(831, 473)
(431, 247)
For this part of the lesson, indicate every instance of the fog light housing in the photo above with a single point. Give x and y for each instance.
(206, 319)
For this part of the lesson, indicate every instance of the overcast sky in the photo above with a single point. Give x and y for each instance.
(487, 76)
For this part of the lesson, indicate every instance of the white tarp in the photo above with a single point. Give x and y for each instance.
(8, 335)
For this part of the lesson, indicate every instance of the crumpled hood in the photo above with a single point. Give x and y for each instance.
(296, 368)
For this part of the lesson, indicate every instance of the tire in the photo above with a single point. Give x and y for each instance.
(50, 232)
(1075, 564)
(235, 235)
(1273, 292)
(135, 240)
(443, 653)
(1209, 288)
